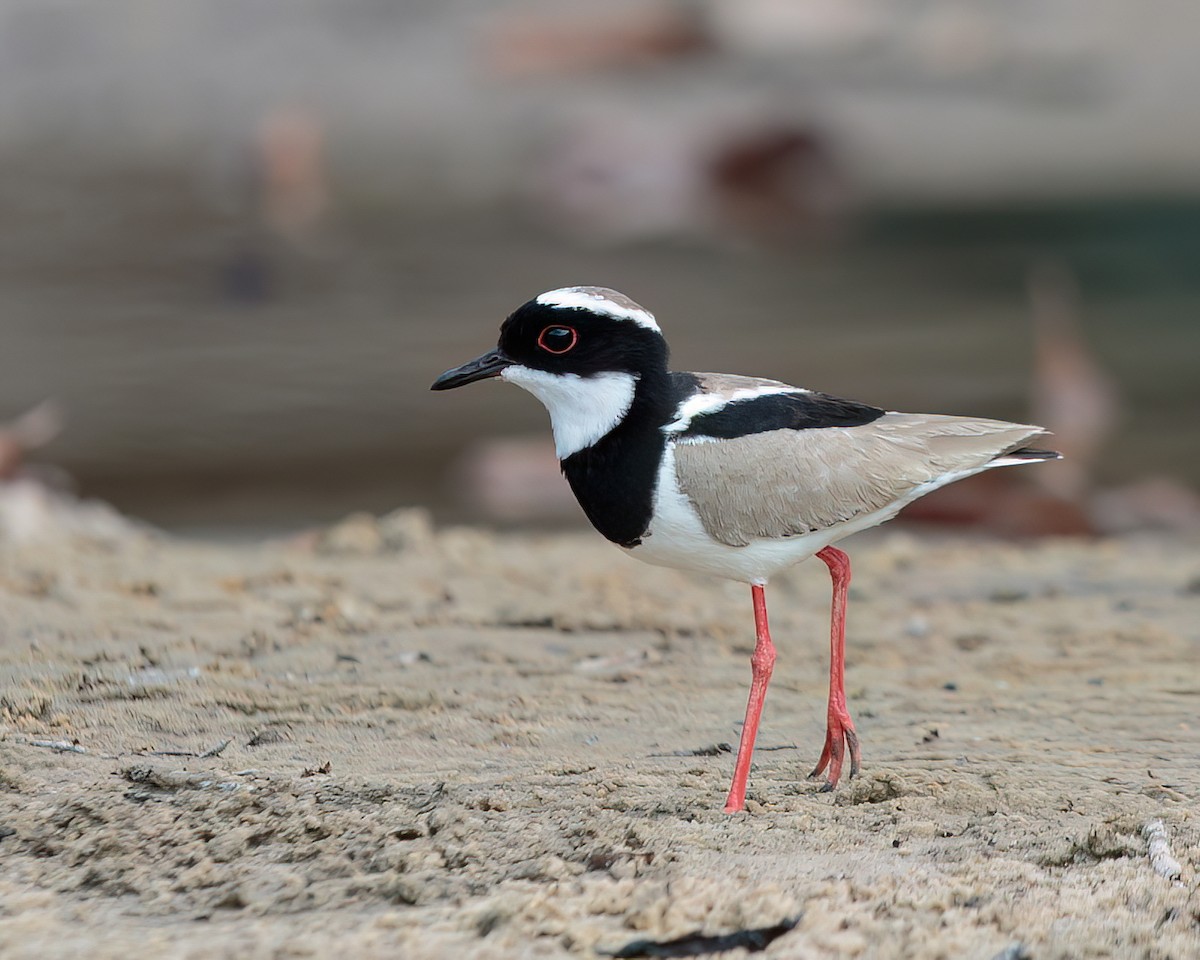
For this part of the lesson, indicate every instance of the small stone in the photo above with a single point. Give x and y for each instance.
(917, 627)
(971, 641)
(1008, 595)
(410, 528)
(358, 535)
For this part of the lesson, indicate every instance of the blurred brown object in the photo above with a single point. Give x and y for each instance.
(276, 187)
(531, 44)
(34, 428)
(1002, 504)
(1072, 395)
(290, 162)
(778, 182)
(758, 176)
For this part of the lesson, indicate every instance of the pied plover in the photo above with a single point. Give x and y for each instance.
(732, 476)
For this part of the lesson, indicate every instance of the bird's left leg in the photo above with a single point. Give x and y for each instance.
(839, 730)
(762, 662)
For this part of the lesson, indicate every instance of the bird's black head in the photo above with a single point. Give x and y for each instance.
(581, 331)
(584, 331)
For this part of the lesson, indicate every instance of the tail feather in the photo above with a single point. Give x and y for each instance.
(1030, 453)
(1021, 455)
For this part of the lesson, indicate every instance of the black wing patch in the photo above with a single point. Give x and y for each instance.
(780, 411)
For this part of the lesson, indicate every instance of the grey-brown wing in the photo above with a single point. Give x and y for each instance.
(789, 482)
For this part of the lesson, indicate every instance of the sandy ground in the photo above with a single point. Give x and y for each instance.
(458, 744)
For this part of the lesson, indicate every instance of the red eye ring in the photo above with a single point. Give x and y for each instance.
(561, 346)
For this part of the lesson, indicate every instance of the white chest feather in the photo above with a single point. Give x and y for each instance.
(582, 409)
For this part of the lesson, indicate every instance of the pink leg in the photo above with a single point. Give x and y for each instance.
(762, 661)
(839, 730)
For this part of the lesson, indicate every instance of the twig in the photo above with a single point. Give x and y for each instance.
(698, 944)
(210, 752)
(717, 749)
(1164, 864)
(62, 746)
(710, 751)
(215, 751)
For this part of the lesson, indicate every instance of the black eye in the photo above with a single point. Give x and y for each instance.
(558, 339)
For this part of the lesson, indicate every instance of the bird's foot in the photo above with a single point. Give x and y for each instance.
(839, 736)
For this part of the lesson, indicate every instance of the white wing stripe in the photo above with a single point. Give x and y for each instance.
(702, 403)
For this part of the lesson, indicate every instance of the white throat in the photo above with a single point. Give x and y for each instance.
(582, 409)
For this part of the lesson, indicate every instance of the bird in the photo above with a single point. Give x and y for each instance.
(732, 476)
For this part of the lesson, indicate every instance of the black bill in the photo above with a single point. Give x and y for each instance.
(481, 368)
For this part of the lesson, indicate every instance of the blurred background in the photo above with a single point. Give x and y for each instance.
(240, 240)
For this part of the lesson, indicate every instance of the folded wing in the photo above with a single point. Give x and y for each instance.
(790, 482)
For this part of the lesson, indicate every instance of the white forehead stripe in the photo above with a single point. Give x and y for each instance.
(590, 299)
(703, 403)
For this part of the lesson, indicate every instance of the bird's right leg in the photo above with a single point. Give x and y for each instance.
(762, 662)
